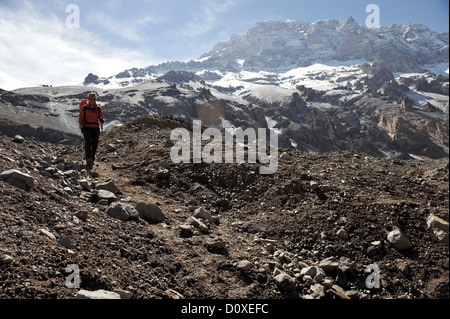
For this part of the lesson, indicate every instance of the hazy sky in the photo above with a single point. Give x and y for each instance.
(40, 41)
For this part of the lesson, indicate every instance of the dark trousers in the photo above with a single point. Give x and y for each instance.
(91, 139)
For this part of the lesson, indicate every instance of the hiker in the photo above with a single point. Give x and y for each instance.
(90, 120)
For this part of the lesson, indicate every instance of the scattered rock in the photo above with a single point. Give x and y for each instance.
(186, 230)
(18, 179)
(285, 282)
(346, 264)
(82, 214)
(67, 243)
(150, 212)
(318, 291)
(6, 259)
(124, 294)
(314, 185)
(204, 214)
(18, 139)
(47, 234)
(85, 185)
(398, 240)
(342, 234)
(108, 185)
(244, 265)
(123, 212)
(439, 228)
(105, 195)
(216, 243)
(339, 292)
(286, 157)
(98, 294)
(329, 264)
(172, 294)
(198, 224)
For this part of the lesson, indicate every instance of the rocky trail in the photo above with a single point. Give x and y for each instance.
(140, 227)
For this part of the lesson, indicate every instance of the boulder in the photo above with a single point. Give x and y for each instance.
(105, 195)
(285, 282)
(18, 179)
(150, 212)
(123, 212)
(108, 185)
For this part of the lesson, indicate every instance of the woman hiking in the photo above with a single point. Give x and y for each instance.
(90, 120)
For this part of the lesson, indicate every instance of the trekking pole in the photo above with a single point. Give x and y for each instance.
(82, 150)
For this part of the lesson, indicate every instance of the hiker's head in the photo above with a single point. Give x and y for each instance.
(92, 98)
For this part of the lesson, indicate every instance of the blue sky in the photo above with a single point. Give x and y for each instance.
(37, 46)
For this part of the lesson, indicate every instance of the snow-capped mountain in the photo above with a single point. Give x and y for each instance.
(323, 87)
(276, 46)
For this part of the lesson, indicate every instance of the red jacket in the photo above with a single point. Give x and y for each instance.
(92, 118)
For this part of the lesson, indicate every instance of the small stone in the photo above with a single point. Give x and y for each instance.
(338, 291)
(85, 185)
(314, 185)
(318, 291)
(173, 294)
(18, 139)
(244, 265)
(329, 264)
(346, 264)
(67, 243)
(108, 185)
(216, 243)
(107, 195)
(398, 240)
(47, 234)
(309, 271)
(439, 227)
(286, 157)
(204, 214)
(5, 259)
(285, 282)
(82, 214)
(124, 294)
(342, 233)
(186, 230)
(373, 251)
(123, 212)
(99, 294)
(110, 148)
(150, 212)
(198, 224)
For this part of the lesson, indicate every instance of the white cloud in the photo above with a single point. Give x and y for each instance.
(207, 17)
(130, 31)
(40, 49)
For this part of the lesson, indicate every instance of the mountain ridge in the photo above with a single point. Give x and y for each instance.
(278, 46)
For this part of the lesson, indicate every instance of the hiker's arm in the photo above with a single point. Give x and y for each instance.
(80, 118)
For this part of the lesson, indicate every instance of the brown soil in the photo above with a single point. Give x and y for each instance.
(366, 196)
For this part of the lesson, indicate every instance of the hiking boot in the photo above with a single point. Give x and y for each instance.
(90, 163)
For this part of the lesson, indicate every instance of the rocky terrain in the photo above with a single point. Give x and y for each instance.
(139, 226)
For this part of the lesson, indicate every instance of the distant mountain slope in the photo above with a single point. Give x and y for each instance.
(322, 87)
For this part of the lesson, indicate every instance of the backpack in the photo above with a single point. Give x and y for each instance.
(83, 105)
